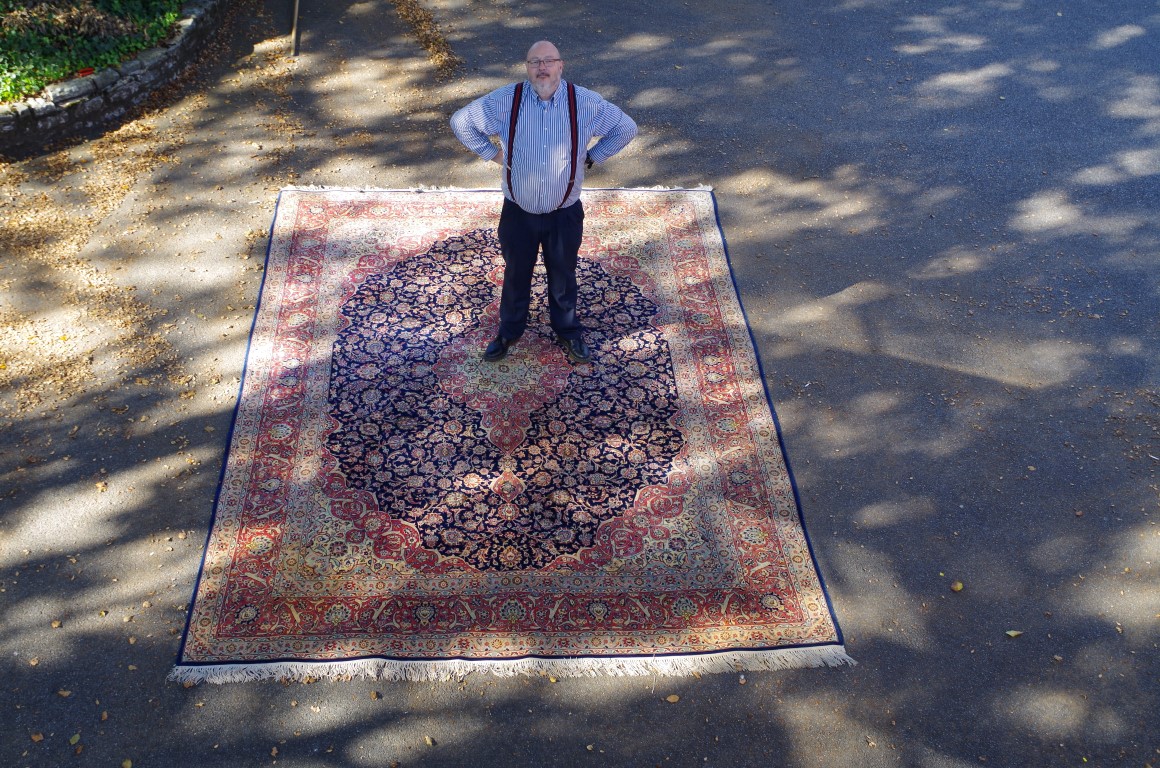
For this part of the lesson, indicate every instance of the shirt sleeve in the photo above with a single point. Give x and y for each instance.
(616, 130)
(475, 124)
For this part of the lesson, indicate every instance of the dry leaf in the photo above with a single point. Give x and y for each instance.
(428, 740)
(673, 699)
(33, 661)
(63, 693)
(38, 737)
(104, 716)
(74, 739)
(56, 623)
(126, 764)
(374, 695)
(956, 586)
(1013, 633)
(274, 752)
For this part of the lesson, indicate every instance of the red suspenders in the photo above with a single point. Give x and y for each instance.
(517, 98)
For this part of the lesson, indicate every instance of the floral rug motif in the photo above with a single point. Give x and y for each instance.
(392, 505)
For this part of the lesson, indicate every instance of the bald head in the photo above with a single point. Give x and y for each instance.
(543, 49)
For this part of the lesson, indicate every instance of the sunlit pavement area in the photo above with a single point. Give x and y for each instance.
(944, 221)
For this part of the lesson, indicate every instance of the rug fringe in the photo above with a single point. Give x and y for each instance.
(317, 188)
(457, 669)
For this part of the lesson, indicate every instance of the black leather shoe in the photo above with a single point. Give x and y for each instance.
(576, 350)
(497, 349)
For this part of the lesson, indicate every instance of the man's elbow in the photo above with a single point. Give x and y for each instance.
(629, 129)
(458, 122)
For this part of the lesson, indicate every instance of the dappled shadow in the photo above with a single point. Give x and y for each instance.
(943, 226)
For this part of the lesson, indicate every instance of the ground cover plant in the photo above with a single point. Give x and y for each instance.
(43, 41)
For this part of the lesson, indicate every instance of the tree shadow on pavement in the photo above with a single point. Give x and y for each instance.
(943, 227)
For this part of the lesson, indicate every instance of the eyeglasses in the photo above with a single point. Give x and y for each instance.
(538, 62)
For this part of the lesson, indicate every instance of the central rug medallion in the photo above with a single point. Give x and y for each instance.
(505, 465)
(394, 505)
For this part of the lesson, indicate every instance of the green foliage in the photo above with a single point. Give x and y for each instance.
(43, 41)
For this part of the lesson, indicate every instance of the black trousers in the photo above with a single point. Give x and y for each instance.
(521, 237)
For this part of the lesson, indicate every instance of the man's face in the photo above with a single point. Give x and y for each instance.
(545, 68)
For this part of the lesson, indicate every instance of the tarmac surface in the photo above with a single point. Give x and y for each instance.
(944, 220)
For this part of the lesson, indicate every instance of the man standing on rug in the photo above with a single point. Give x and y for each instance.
(544, 126)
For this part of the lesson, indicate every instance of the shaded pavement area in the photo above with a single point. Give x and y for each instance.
(944, 224)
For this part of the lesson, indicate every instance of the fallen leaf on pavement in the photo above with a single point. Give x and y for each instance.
(1013, 633)
(673, 699)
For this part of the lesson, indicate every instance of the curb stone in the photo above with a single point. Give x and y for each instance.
(67, 109)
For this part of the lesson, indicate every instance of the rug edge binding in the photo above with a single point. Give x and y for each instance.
(457, 669)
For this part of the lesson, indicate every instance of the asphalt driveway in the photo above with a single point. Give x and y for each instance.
(944, 221)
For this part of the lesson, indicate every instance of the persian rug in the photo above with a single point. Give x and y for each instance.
(392, 505)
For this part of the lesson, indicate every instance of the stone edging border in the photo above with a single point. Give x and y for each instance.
(67, 109)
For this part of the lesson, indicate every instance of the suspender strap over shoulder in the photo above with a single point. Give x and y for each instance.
(575, 139)
(573, 124)
(517, 99)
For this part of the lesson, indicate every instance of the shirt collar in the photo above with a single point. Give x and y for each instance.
(557, 97)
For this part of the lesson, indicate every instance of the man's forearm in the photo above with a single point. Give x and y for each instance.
(613, 141)
(466, 126)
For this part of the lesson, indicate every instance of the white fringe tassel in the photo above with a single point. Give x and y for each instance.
(318, 188)
(457, 669)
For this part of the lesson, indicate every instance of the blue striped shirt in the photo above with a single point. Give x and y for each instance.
(543, 141)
